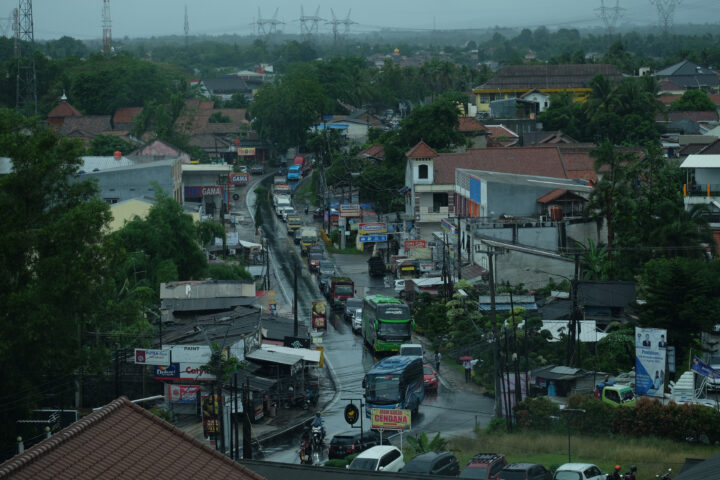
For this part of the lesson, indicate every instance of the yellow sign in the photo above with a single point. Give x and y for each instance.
(390, 419)
(246, 151)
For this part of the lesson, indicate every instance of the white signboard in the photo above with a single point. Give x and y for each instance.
(146, 356)
(199, 354)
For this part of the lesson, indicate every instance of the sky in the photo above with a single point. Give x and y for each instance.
(82, 19)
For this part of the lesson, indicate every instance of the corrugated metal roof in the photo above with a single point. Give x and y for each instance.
(273, 357)
(701, 161)
(306, 354)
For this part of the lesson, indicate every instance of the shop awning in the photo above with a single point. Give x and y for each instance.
(305, 353)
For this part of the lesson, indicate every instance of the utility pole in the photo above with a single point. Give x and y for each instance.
(493, 323)
(575, 328)
(459, 248)
(295, 303)
(187, 26)
(247, 434)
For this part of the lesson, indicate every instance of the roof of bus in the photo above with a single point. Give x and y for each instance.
(393, 364)
(378, 298)
(294, 167)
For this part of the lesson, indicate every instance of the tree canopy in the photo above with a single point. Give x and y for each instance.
(693, 100)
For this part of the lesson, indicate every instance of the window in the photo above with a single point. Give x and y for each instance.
(439, 200)
(389, 457)
(423, 172)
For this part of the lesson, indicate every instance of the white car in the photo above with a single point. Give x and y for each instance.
(411, 350)
(382, 458)
(578, 471)
(357, 320)
(399, 286)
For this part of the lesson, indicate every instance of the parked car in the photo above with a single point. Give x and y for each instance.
(431, 378)
(486, 466)
(399, 286)
(433, 463)
(386, 458)
(578, 471)
(344, 444)
(524, 471)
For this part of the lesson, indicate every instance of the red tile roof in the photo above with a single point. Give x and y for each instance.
(421, 150)
(122, 440)
(126, 115)
(540, 161)
(580, 165)
(470, 124)
(549, 197)
(373, 151)
(497, 131)
(667, 99)
(64, 109)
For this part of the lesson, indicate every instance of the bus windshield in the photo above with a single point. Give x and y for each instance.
(383, 388)
(393, 312)
(344, 289)
(394, 329)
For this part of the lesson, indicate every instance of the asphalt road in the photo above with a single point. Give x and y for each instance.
(451, 412)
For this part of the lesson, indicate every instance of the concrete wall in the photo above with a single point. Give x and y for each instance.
(545, 237)
(126, 183)
(704, 176)
(530, 270)
(513, 200)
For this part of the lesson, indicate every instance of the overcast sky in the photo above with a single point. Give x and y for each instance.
(82, 19)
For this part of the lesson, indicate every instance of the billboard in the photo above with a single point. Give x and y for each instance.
(147, 356)
(412, 244)
(390, 419)
(246, 151)
(378, 227)
(319, 320)
(382, 237)
(349, 210)
(650, 358)
(239, 178)
(171, 371)
(182, 393)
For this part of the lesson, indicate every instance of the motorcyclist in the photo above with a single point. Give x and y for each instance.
(631, 474)
(306, 450)
(318, 422)
(615, 475)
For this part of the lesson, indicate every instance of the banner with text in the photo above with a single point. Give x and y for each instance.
(650, 357)
(390, 419)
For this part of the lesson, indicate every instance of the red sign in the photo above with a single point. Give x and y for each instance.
(239, 178)
(410, 244)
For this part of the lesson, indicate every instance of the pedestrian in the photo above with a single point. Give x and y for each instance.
(467, 365)
(307, 208)
(438, 357)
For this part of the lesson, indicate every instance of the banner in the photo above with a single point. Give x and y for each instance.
(182, 393)
(704, 369)
(318, 315)
(246, 151)
(371, 228)
(412, 244)
(390, 419)
(650, 358)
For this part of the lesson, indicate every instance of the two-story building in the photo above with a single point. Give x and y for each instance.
(702, 186)
(538, 82)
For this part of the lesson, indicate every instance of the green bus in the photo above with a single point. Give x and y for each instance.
(386, 323)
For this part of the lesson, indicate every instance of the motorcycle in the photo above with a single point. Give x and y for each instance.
(317, 438)
(631, 474)
(311, 399)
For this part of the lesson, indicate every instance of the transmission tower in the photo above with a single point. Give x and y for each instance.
(347, 22)
(309, 24)
(6, 25)
(666, 13)
(26, 80)
(107, 29)
(335, 22)
(187, 26)
(267, 26)
(609, 15)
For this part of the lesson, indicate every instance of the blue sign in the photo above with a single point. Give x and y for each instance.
(704, 369)
(173, 371)
(373, 238)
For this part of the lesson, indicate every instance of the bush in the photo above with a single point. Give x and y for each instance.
(336, 463)
(536, 414)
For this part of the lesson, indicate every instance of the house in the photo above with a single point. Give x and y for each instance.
(542, 99)
(501, 136)
(688, 75)
(60, 112)
(122, 440)
(85, 127)
(605, 301)
(545, 138)
(514, 81)
(474, 131)
(186, 298)
(159, 150)
(375, 153)
(207, 187)
(224, 87)
(124, 118)
(702, 185)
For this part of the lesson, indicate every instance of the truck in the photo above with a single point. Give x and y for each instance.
(293, 223)
(315, 256)
(309, 238)
(294, 173)
(341, 288)
(615, 394)
(280, 202)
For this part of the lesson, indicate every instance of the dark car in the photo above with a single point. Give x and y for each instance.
(433, 463)
(344, 444)
(524, 471)
(486, 466)
(352, 304)
(257, 169)
(326, 268)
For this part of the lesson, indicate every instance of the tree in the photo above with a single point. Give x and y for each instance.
(103, 145)
(436, 124)
(53, 268)
(693, 100)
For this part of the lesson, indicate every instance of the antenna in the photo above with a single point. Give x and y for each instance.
(107, 47)
(666, 13)
(187, 26)
(609, 15)
(26, 80)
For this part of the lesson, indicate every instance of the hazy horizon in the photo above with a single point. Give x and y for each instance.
(82, 19)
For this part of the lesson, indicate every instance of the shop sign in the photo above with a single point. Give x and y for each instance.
(371, 228)
(239, 178)
(171, 371)
(412, 244)
(382, 419)
(146, 356)
(246, 151)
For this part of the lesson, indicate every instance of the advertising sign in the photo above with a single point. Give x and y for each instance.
(189, 353)
(365, 228)
(169, 372)
(182, 393)
(246, 151)
(650, 357)
(382, 237)
(412, 244)
(211, 191)
(210, 410)
(390, 419)
(448, 227)
(239, 178)
(349, 210)
(319, 320)
(192, 371)
(351, 413)
(704, 369)
(146, 356)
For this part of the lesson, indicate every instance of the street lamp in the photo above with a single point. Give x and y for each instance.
(568, 411)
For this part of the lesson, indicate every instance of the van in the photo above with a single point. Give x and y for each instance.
(382, 458)
(411, 350)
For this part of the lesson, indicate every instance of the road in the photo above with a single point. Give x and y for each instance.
(451, 412)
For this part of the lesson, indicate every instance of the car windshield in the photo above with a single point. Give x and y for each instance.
(627, 395)
(393, 312)
(327, 265)
(412, 351)
(568, 476)
(394, 329)
(308, 239)
(364, 464)
(513, 475)
(344, 289)
(342, 440)
(383, 388)
(470, 472)
(353, 303)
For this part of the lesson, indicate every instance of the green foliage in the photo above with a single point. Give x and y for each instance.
(163, 413)
(219, 117)
(422, 444)
(208, 231)
(224, 271)
(103, 145)
(436, 124)
(537, 414)
(615, 352)
(694, 100)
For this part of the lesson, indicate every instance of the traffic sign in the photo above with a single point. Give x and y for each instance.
(373, 238)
